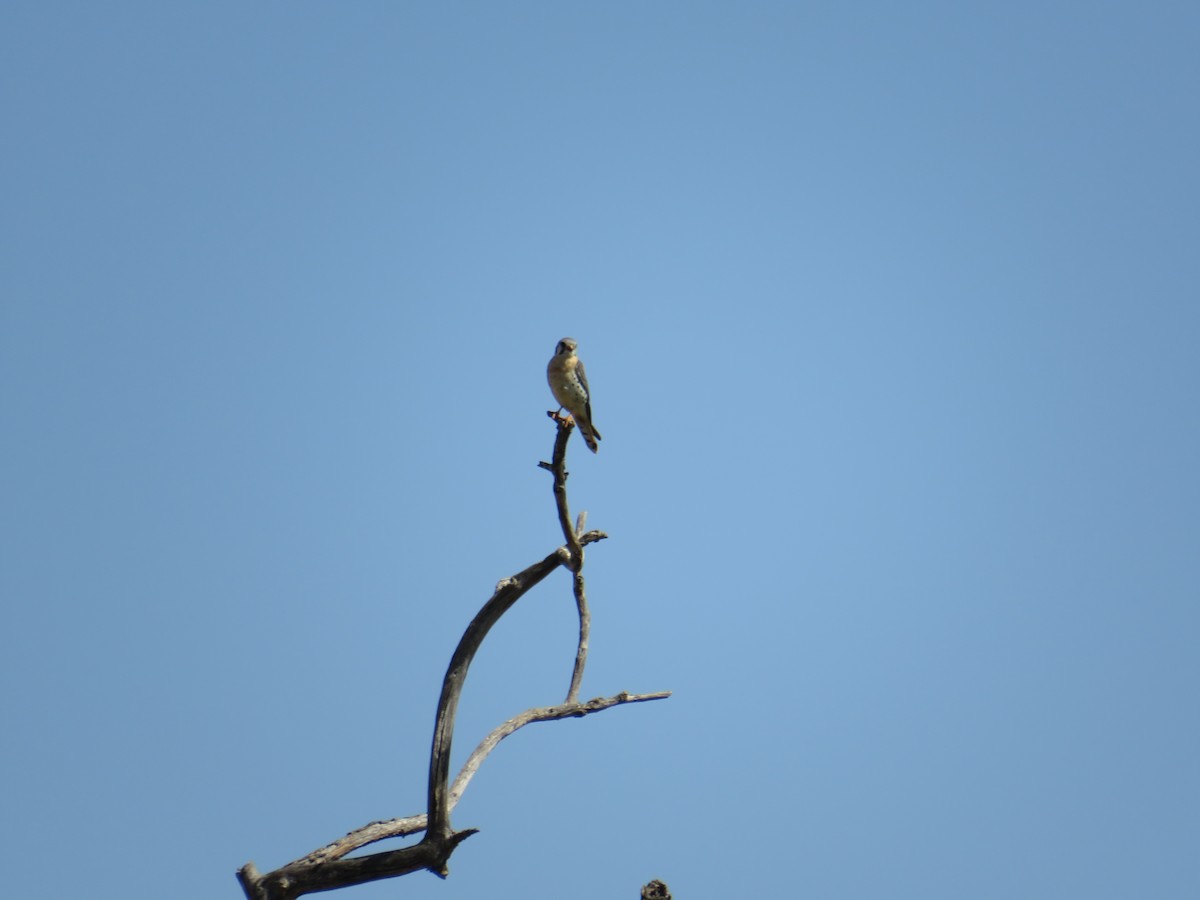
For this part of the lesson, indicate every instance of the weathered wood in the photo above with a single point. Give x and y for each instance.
(329, 867)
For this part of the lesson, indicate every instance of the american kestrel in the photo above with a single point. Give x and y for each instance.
(569, 385)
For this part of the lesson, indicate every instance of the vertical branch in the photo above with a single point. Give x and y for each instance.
(585, 627)
(558, 468)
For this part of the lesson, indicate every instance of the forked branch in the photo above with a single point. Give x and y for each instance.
(329, 868)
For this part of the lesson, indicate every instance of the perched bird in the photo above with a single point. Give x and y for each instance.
(569, 385)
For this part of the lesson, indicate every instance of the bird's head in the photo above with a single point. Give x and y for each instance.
(565, 347)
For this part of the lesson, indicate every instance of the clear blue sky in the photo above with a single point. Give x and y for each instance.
(892, 322)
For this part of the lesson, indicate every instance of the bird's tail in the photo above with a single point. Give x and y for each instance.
(590, 436)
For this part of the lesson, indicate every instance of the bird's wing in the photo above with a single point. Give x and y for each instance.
(583, 379)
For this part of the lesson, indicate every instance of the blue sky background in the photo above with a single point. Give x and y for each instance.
(891, 317)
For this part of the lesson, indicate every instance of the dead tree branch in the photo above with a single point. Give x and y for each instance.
(391, 828)
(507, 593)
(328, 868)
(540, 714)
(571, 535)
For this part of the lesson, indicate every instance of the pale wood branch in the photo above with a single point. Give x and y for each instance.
(403, 827)
(541, 714)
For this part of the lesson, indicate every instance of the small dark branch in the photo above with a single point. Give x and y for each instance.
(589, 537)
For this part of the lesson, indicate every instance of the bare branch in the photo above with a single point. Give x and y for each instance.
(571, 535)
(540, 714)
(402, 827)
(507, 593)
(558, 467)
(293, 880)
(361, 837)
(585, 629)
(329, 867)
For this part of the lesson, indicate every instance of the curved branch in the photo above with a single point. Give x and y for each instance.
(402, 827)
(540, 714)
(328, 868)
(507, 593)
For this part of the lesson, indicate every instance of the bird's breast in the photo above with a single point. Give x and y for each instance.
(565, 386)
